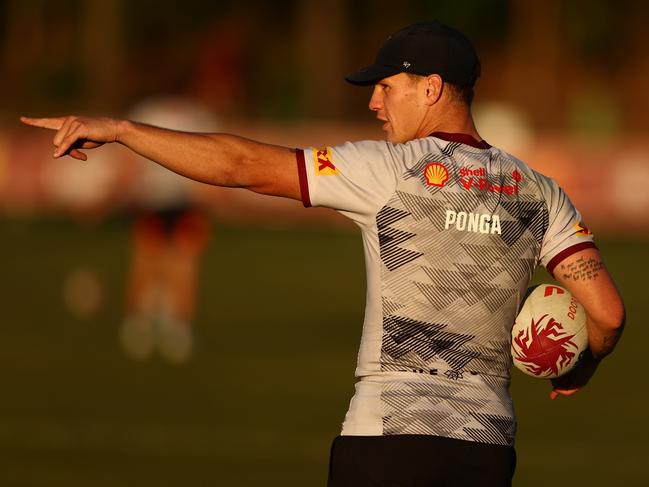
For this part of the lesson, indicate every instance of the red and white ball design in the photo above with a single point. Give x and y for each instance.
(549, 333)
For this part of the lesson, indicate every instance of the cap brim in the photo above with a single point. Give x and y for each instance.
(371, 74)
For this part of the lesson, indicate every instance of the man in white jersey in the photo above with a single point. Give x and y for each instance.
(452, 229)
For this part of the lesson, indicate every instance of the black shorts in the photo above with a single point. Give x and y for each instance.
(418, 461)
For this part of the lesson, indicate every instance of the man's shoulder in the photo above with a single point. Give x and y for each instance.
(522, 166)
(402, 154)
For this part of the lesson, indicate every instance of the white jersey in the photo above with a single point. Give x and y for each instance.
(452, 231)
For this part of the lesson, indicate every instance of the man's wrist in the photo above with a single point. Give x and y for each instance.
(122, 128)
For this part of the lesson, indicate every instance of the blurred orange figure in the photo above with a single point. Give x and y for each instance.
(170, 234)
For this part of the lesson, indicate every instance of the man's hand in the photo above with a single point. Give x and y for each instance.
(218, 159)
(569, 384)
(74, 133)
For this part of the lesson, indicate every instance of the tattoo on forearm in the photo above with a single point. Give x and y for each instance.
(582, 269)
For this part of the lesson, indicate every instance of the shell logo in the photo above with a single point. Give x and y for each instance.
(436, 174)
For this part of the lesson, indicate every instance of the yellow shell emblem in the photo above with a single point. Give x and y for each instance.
(436, 174)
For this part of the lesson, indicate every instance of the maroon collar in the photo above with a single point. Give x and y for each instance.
(462, 139)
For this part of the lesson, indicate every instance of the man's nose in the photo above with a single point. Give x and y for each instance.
(376, 102)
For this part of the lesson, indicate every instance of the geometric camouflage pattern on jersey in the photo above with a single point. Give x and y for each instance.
(451, 292)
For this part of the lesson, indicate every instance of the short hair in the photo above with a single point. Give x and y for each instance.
(461, 93)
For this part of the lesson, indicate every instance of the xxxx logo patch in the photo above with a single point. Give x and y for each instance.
(324, 163)
(582, 230)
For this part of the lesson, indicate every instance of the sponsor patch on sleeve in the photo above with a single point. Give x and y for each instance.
(324, 163)
(582, 230)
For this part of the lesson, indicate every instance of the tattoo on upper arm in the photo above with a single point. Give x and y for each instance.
(582, 269)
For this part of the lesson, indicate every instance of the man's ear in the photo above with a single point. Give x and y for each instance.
(434, 88)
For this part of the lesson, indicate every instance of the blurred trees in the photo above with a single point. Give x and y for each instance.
(568, 64)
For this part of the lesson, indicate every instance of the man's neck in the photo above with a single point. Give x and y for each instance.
(454, 121)
(462, 139)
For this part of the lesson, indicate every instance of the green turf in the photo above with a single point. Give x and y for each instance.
(278, 329)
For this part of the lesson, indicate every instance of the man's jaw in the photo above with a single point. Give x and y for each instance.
(386, 124)
(389, 132)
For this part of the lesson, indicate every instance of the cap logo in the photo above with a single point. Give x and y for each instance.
(406, 64)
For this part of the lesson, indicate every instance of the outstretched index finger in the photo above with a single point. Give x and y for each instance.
(46, 123)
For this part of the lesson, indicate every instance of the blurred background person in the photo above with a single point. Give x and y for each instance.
(170, 233)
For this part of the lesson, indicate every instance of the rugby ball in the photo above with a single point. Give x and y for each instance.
(549, 334)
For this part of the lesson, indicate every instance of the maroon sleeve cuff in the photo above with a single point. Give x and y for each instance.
(304, 182)
(565, 253)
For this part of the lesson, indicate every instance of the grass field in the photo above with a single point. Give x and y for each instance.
(278, 328)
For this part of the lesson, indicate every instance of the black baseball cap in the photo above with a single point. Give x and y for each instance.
(423, 48)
